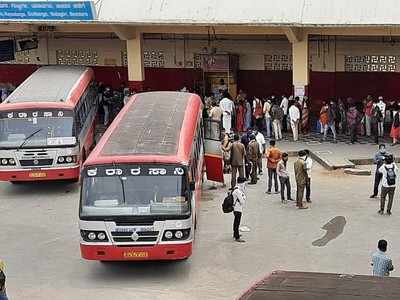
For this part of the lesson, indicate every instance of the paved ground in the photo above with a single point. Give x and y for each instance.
(40, 242)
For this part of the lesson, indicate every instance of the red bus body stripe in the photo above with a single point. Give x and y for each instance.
(158, 252)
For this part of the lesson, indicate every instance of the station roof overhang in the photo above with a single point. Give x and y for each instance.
(293, 18)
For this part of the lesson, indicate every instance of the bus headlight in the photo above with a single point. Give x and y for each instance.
(67, 159)
(178, 234)
(92, 236)
(101, 236)
(4, 161)
(11, 161)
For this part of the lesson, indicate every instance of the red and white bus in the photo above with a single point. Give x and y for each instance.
(141, 185)
(47, 125)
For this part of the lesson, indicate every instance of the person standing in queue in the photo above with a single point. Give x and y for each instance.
(261, 143)
(253, 155)
(300, 171)
(294, 115)
(227, 106)
(238, 153)
(284, 177)
(389, 173)
(273, 155)
(239, 198)
(375, 120)
(309, 165)
(379, 159)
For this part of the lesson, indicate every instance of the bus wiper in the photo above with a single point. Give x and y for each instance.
(122, 184)
(28, 137)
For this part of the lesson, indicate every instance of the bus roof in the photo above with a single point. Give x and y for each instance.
(153, 127)
(282, 285)
(54, 84)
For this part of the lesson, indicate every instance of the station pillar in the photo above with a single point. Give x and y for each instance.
(300, 67)
(134, 49)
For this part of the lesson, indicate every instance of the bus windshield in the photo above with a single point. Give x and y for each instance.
(38, 128)
(134, 191)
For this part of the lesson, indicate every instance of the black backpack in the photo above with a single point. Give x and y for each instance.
(228, 204)
(390, 176)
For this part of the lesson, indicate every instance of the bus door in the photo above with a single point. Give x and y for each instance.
(212, 150)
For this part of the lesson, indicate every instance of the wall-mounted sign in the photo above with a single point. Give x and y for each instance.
(47, 10)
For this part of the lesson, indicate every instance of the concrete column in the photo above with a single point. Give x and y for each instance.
(135, 62)
(300, 67)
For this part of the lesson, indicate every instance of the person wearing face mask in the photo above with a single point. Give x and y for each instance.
(379, 159)
(239, 198)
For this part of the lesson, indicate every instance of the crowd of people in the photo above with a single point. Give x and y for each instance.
(368, 118)
(276, 116)
(246, 155)
(272, 116)
(243, 159)
(112, 100)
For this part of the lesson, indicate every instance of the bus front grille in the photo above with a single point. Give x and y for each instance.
(142, 236)
(35, 162)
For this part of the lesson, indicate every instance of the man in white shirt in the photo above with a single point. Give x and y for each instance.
(261, 144)
(294, 115)
(309, 164)
(227, 108)
(239, 198)
(267, 116)
(285, 107)
(382, 107)
(389, 173)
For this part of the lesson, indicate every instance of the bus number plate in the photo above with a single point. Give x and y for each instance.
(37, 175)
(136, 254)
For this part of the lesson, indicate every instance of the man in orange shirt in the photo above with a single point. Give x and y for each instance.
(273, 155)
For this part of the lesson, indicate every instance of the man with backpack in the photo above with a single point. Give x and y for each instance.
(277, 117)
(239, 198)
(389, 175)
(234, 202)
(379, 159)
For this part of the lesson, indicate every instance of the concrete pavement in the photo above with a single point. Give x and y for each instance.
(40, 242)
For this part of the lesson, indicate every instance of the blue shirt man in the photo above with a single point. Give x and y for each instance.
(381, 263)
